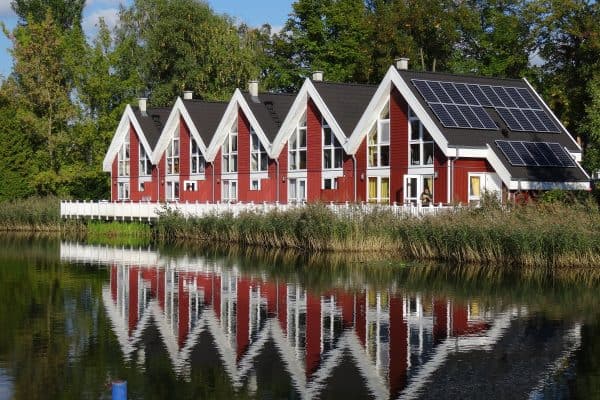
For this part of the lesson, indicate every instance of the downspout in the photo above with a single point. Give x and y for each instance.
(213, 182)
(158, 182)
(453, 161)
(277, 180)
(354, 174)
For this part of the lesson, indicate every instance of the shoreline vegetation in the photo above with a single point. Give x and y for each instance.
(547, 234)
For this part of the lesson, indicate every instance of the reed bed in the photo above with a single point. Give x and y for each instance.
(118, 233)
(534, 235)
(36, 214)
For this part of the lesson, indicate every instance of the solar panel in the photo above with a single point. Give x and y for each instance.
(479, 95)
(508, 118)
(534, 154)
(504, 97)
(436, 87)
(547, 121)
(425, 91)
(460, 105)
(565, 158)
(445, 118)
(470, 116)
(537, 154)
(521, 150)
(510, 153)
(461, 121)
(492, 96)
(529, 99)
(466, 94)
(484, 117)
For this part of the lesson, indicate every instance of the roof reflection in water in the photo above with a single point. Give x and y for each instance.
(397, 342)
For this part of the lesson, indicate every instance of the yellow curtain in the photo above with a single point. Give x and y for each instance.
(372, 189)
(385, 188)
(475, 186)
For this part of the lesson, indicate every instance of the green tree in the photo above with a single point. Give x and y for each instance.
(173, 45)
(68, 12)
(332, 36)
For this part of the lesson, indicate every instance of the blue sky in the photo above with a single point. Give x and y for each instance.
(252, 12)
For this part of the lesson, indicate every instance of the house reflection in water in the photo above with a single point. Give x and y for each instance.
(383, 343)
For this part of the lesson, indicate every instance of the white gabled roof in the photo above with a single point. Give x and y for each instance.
(296, 111)
(393, 79)
(230, 115)
(171, 125)
(122, 131)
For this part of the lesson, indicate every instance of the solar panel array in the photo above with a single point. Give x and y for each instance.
(534, 154)
(461, 105)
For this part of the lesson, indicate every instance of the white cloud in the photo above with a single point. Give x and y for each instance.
(101, 3)
(90, 22)
(5, 9)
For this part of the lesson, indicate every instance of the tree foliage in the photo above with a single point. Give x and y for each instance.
(67, 12)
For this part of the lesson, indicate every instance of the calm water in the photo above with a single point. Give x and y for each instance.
(213, 324)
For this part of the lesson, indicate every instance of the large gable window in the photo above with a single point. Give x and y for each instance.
(145, 163)
(230, 149)
(297, 146)
(259, 160)
(420, 142)
(123, 159)
(333, 153)
(197, 159)
(379, 140)
(173, 155)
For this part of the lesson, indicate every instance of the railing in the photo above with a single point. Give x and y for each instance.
(151, 211)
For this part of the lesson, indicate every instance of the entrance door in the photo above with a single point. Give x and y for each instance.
(172, 190)
(416, 188)
(229, 191)
(297, 190)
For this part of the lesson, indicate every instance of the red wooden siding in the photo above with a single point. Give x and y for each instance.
(462, 167)
(361, 171)
(114, 180)
(398, 145)
(440, 184)
(283, 167)
(314, 148)
(216, 167)
(243, 167)
(134, 165)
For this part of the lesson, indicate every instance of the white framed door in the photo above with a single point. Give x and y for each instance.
(296, 190)
(482, 182)
(172, 190)
(230, 190)
(415, 186)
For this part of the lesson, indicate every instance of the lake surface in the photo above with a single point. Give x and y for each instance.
(230, 324)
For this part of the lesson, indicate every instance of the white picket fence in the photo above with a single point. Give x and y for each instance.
(151, 211)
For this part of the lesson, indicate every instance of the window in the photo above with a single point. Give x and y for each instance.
(123, 159)
(255, 184)
(476, 185)
(259, 160)
(418, 189)
(190, 186)
(296, 190)
(229, 190)
(145, 164)
(329, 183)
(173, 155)
(379, 189)
(141, 186)
(197, 159)
(333, 154)
(172, 191)
(123, 191)
(297, 146)
(420, 142)
(230, 149)
(379, 140)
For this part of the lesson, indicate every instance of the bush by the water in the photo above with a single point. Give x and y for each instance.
(550, 234)
(32, 214)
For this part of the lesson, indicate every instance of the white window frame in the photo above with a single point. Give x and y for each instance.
(334, 148)
(258, 154)
(378, 143)
(190, 186)
(230, 190)
(173, 191)
(173, 155)
(331, 182)
(258, 184)
(295, 150)
(230, 149)
(124, 159)
(379, 198)
(420, 187)
(123, 191)
(420, 141)
(145, 163)
(196, 158)
(297, 183)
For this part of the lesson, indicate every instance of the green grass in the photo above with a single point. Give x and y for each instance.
(118, 233)
(540, 235)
